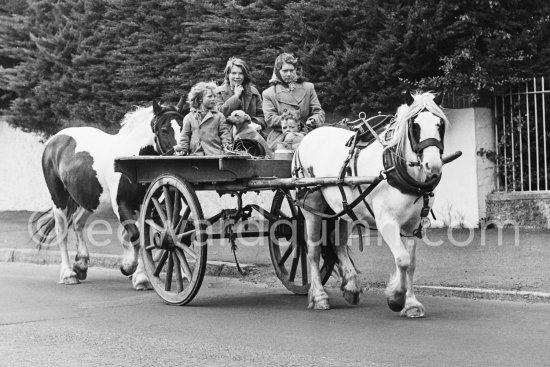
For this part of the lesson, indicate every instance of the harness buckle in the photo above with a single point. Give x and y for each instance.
(424, 212)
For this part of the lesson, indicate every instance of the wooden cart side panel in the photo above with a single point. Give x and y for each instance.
(127, 168)
(201, 169)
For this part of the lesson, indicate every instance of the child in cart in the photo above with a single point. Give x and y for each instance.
(292, 136)
(205, 131)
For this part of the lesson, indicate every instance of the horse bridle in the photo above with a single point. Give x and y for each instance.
(396, 164)
(419, 146)
(156, 130)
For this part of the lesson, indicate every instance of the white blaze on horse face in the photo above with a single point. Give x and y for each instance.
(177, 129)
(431, 156)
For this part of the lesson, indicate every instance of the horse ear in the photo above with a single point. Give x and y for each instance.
(409, 99)
(182, 106)
(438, 99)
(156, 108)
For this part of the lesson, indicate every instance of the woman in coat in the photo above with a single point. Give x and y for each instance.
(289, 93)
(238, 93)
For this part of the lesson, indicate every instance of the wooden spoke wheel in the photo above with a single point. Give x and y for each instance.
(288, 247)
(173, 239)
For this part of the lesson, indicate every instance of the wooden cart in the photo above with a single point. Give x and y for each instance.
(175, 234)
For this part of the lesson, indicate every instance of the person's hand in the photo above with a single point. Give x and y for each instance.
(180, 153)
(310, 123)
(290, 136)
(238, 91)
(255, 126)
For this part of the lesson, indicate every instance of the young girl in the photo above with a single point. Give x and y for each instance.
(204, 131)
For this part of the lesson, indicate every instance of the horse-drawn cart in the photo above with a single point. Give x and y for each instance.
(175, 234)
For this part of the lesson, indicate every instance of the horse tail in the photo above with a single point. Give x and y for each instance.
(44, 224)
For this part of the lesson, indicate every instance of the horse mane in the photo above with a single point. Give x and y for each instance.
(140, 117)
(423, 101)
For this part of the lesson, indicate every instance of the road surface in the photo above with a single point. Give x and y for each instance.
(232, 323)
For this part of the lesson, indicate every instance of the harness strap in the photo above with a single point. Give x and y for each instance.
(355, 159)
(352, 205)
(427, 143)
(363, 117)
(340, 184)
(419, 232)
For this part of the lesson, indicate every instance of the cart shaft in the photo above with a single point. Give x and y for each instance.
(283, 183)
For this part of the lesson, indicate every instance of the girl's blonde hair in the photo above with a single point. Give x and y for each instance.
(194, 98)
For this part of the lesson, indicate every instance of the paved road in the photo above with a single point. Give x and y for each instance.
(231, 323)
(488, 259)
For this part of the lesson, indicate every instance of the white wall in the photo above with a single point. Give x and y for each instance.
(22, 186)
(460, 197)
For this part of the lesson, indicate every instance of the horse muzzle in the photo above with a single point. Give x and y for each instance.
(432, 170)
(431, 162)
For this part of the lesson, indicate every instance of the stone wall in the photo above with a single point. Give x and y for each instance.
(524, 209)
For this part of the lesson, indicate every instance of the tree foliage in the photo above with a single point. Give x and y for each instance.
(87, 62)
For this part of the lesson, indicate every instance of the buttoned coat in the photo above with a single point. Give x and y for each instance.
(206, 136)
(302, 101)
(250, 102)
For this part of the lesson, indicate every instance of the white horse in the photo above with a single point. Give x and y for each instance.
(78, 165)
(414, 143)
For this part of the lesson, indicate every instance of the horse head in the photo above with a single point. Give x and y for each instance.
(425, 124)
(166, 125)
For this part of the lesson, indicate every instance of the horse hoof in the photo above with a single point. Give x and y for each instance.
(141, 282)
(81, 274)
(413, 312)
(71, 280)
(351, 297)
(127, 271)
(320, 304)
(397, 302)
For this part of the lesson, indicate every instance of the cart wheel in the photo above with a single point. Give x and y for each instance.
(173, 239)
(288, 247)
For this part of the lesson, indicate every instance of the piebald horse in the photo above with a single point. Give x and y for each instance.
(78, 165)
(414, 140)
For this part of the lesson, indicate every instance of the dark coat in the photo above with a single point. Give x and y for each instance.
(302, 101)
(250, 102)
(204, 137)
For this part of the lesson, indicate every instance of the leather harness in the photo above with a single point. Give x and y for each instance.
(395, 172)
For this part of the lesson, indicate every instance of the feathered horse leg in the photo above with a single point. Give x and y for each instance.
(399, 291)
(318, 298)
(351, 288)
(82, 258)
(413, 308)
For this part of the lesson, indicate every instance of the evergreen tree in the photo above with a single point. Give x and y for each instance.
(87, 62)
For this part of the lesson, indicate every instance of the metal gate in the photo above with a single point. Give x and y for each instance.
(521, 134)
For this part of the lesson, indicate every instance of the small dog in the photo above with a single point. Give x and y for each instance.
(244, 128)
